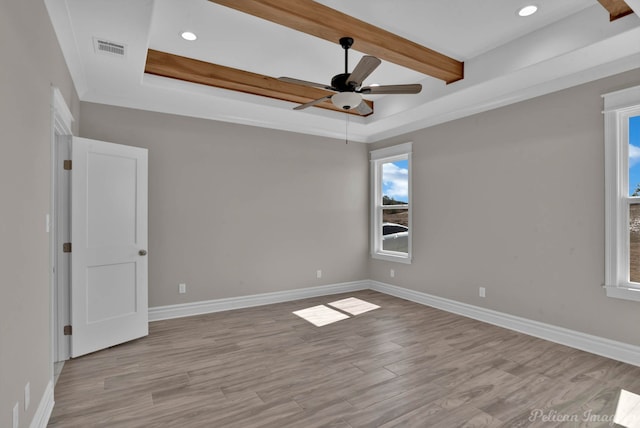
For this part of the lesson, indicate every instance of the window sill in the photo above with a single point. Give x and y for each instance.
(626, 293)
(392, 258)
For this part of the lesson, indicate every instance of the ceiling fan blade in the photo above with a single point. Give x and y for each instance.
(364, 68)
(364, 109)
(312, 103)
(305, 83)
(392, 89)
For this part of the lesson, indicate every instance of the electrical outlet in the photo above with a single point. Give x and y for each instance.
(16, 415)
(482, 292)
(319, 273)
(392, 273)
(182, 288)
(27, 396)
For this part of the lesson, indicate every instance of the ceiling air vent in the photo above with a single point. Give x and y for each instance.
(108, 48)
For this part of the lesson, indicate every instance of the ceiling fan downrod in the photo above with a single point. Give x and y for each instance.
(346, 43)
(339, 81)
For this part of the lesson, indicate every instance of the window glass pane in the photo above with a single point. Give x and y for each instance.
(395, 182)
(634, 156)
(395, 230)
(634, 242)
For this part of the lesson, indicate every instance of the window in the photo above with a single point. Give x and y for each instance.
(391, 203)
(622, 193)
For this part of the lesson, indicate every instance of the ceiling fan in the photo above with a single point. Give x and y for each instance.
(348, 86)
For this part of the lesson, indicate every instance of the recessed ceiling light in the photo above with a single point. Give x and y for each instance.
(188, 35)
(528, 10)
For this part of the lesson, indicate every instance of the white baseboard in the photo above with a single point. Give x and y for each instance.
(43, 412)
(209, 306)
(594, 344)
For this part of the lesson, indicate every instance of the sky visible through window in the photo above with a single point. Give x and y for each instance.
(395, 179)
(634, 155)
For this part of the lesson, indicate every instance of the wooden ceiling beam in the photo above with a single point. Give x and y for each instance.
(205, 73)
(617, 8)
(321, 21)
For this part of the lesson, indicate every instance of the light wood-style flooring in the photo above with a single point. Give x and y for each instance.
(403, 365)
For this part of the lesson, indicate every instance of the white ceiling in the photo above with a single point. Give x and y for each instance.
(507, 58)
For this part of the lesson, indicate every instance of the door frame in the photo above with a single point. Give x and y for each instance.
(61, 131)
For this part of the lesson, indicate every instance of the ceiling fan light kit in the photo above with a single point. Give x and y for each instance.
(346, 100)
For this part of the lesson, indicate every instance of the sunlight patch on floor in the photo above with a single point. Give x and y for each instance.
(353, 306)
(628, 410)
(320, 315)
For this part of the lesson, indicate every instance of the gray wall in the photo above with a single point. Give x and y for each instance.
(513, 200)
(32, 62)
(237, 210)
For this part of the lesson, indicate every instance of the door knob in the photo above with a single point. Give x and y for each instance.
(142, 252)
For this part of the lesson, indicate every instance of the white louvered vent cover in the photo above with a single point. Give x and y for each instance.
(109, 48)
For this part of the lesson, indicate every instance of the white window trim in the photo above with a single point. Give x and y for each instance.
(378, 157)
(619, 106)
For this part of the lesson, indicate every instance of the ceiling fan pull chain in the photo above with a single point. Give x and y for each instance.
(346, 129)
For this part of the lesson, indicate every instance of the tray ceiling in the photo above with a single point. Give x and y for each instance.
(506, 58)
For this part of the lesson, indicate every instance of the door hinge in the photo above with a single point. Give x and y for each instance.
(67, 330)
(66, 165)
(66, 247)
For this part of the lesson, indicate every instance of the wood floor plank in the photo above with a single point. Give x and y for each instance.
(318, 398)
(330, 414)
(402, 365)
(395, 407)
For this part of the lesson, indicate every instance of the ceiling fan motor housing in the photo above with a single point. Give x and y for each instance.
(339, 81)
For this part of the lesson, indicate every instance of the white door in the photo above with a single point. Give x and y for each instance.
(109, 244)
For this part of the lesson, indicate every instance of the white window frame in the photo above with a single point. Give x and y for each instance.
(379, 157)
(619, 106)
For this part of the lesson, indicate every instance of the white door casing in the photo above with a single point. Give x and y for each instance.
(62, 260)
(61, 124)
(109, 269)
